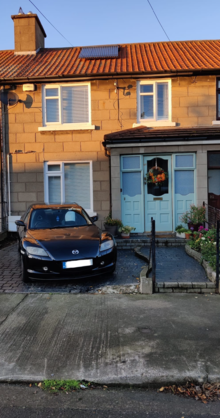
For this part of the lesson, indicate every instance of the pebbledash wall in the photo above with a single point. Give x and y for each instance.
(193, 104)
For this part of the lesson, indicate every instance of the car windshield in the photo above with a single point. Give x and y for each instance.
(47, 218)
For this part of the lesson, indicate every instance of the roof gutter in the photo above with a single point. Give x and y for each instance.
(53, 78)
(115, 143)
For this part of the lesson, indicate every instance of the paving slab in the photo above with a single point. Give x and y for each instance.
(8, 304)
(113, 339)
(173, 264)
(127, 271)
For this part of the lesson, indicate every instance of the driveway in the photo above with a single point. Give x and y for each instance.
(127, 272)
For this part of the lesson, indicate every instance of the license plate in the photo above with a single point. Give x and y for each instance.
(77, 263)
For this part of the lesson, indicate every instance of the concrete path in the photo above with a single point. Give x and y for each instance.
(129, 339)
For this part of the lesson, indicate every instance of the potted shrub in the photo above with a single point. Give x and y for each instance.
(194, 217)
(180, 233)
(125, 231)
(188, 233)
(111, 225)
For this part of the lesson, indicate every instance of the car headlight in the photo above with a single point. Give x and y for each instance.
(37, 251)
(106, 245)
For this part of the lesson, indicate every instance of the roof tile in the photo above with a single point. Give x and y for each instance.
(146, 58)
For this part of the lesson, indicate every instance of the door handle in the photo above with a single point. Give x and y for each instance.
(124, 198)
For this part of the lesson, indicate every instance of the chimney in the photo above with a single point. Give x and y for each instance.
(29, 33)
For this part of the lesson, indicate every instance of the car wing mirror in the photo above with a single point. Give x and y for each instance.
(20, 223)
(94, 218)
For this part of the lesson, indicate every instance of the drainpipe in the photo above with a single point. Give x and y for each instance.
(9, 188)
(3, 170)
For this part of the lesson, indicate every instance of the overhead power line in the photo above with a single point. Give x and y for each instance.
(50, 22)
(158, 19)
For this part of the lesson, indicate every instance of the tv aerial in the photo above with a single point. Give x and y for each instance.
(8, 98)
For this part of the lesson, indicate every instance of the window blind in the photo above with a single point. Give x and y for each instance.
(75, 104)
(77, 184)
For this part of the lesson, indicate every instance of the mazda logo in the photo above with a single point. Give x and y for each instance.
(75, 252)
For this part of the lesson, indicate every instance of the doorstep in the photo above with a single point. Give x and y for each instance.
(145, 241)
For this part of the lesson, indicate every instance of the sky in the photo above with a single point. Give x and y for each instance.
(100, 22)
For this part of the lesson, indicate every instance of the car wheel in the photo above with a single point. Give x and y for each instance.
(18, 245)
(24, 273)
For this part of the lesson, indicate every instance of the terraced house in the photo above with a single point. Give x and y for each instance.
(88, 124)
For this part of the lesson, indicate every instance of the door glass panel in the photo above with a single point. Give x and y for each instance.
(184, 182)
(130, 163)
(131, 183)
(184, 160)
(54, 185)
(163, 187)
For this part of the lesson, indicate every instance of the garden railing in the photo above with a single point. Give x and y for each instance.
(217, 258)
(152, 254)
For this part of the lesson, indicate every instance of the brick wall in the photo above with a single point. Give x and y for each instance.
(193, 103)
(27, 184)
(194, 100)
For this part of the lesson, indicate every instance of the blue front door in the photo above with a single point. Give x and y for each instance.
(158, 198)
(132, 192)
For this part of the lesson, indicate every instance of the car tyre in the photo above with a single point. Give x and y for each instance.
(18, 245)
(24, 273)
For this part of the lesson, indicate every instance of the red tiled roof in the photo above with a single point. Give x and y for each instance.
(160, 57)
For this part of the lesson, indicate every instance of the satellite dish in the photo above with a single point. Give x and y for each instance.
(8, 98)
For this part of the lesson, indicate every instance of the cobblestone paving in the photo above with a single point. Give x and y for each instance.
(127, 271)
(174, 265)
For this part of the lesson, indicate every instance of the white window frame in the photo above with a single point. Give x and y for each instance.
(55, 126)
(154, 121)
(61, 174)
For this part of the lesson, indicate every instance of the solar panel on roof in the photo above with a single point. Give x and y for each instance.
(110, 51)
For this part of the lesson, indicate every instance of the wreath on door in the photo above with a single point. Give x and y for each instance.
(156, 175)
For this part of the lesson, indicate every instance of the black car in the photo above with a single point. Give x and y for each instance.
(62, 242)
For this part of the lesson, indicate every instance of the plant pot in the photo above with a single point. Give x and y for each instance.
(125, 235)
(187, 236)
(113, 229)
(180, 234)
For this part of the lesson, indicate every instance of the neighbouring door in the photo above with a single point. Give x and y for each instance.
(184, 184)
(158, 198)
(132, 192)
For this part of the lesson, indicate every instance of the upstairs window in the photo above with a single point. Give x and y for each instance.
(154, 101)
(67, 105)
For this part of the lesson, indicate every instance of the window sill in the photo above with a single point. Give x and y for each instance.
(216, 122)
(155, 123)
(67, 127)
(91, 213)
